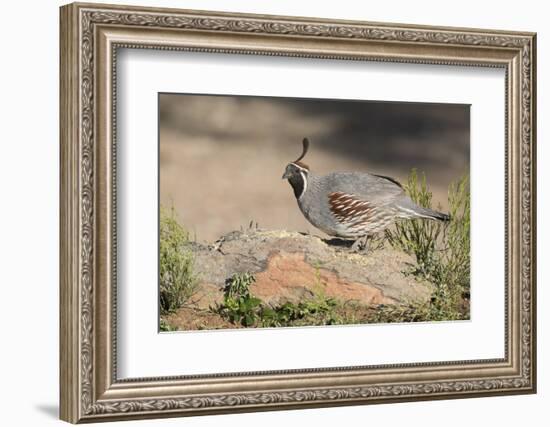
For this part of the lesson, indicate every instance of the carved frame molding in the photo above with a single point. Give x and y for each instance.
(90, 37)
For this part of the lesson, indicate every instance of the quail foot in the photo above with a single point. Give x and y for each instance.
(351, 205)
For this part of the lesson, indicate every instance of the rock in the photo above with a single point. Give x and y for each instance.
(290, 266)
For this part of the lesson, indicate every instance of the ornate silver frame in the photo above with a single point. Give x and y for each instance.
(90, 36)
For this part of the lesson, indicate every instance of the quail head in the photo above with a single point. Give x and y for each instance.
(351, 205)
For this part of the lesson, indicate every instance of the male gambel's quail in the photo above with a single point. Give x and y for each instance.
(351, 205)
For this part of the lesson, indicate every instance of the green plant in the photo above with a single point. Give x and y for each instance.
(418, 237)
(177, 280)
(241, 307)
(165, 326)
(442, 251)
(313, 311)
(457, 255)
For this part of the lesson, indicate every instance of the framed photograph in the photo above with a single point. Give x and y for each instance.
(265, 212)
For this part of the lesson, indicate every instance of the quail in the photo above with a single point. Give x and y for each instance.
(352, 205)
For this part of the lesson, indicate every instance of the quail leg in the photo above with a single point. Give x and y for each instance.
(361, 245)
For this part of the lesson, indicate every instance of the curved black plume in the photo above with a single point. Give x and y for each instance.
(305, 143)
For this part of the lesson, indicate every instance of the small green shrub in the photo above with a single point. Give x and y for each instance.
(456, 257)
(241, 307)
(442, 251)
(166, 327)
(177, 280)
(418, 237)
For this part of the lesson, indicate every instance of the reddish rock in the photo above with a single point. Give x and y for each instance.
(288, 277)
(290, 266)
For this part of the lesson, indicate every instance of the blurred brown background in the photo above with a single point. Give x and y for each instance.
(222, 157)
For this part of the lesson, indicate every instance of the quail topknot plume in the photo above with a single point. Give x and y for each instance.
(351, 205)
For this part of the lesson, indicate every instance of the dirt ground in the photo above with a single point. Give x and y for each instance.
(222, 158)
(193, 318)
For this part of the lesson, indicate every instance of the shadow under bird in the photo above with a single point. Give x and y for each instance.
(352, 205)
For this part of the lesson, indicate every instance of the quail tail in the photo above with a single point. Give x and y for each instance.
(408, 209)
(431, 214)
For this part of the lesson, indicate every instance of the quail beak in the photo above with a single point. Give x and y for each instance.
(286, 175)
